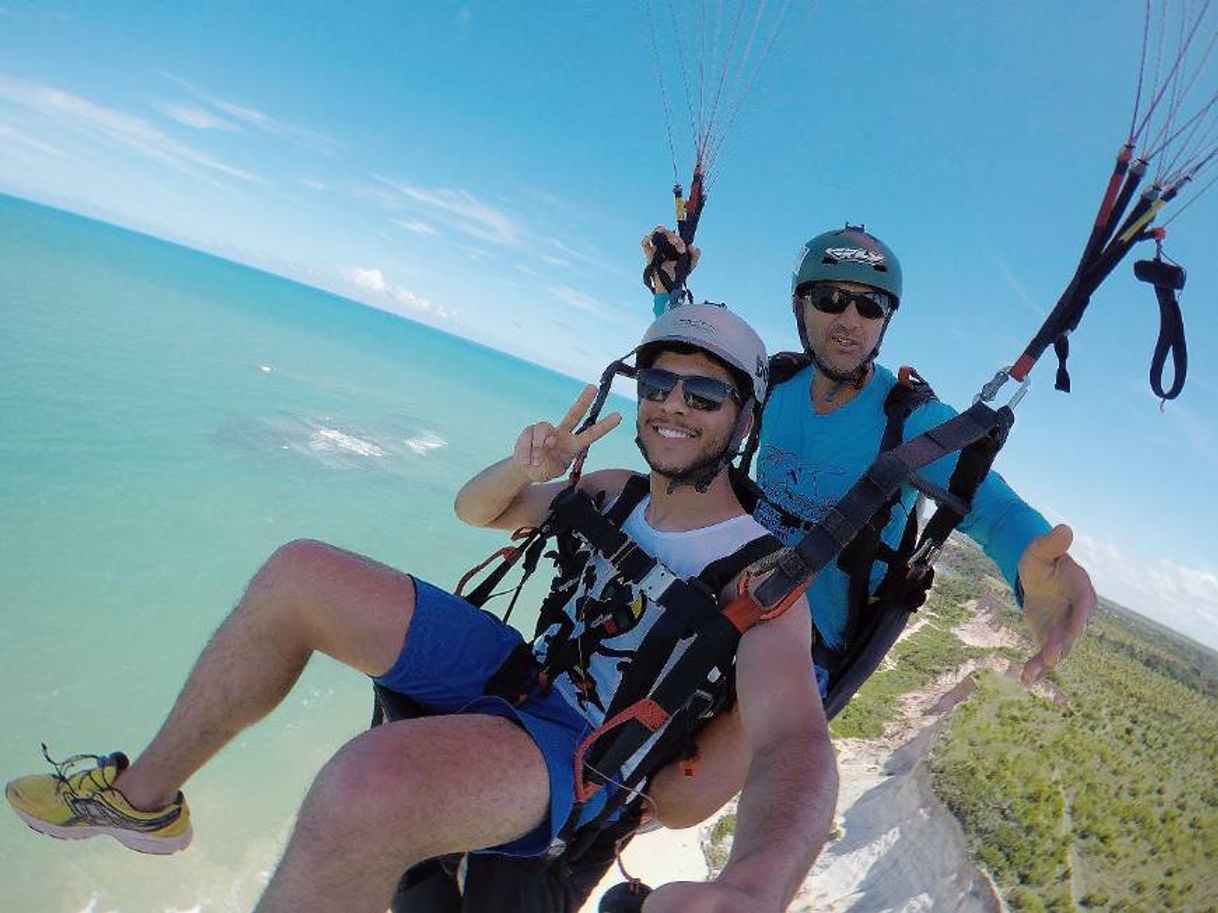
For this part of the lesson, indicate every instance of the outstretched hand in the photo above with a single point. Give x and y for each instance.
(545, 451)
(1058, 599)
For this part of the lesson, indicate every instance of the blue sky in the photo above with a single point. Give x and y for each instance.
(488, 168)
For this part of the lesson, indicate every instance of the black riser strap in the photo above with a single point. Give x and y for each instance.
(844, 520)
(972, 466)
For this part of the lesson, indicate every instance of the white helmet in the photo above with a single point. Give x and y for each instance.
(714, 329)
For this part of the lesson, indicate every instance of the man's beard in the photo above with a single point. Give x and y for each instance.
(711, 450)
(839, 367)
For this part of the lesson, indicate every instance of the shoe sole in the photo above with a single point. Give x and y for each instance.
(141, 843)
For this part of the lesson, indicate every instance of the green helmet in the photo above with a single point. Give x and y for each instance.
(849, 255)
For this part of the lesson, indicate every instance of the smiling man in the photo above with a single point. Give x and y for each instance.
(513, 756)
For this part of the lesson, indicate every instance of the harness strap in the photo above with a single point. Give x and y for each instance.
(531, 545)
(577, 511)
(782, 367)
(679, 677)
(972, 466)
(636, 488)
(684, 605)
(723, 571)
(632, 743)
(1171, 339)
(845, 519)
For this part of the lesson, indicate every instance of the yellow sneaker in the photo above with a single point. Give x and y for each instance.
(73, 805)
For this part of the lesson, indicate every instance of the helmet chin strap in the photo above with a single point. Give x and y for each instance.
(702, 473)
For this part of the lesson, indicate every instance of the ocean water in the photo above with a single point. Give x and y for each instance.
(167, 419)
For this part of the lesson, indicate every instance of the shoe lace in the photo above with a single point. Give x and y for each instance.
(68, 768)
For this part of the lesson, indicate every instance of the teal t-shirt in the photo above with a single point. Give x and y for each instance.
(807, 461)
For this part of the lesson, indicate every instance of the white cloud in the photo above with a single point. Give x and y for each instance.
(263, 122)
(575, 298)
(70, 111)
(568, 252)
(313, 183)
(417, 226)
(1182, 598)
(371, 279)
(11, 135)
(462, 210)
(193, 116)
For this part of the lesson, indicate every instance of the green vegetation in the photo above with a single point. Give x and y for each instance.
(718, 844)
(1106, 801)
(1109, 803)
(923, 656)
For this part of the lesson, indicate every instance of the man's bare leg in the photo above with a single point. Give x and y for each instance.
(401, 793)
(308, 596)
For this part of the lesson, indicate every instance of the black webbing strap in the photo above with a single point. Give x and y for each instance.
(576, 510)
(1167, 278)
(636, 488)
(842, 522)
(720, 573)
(972, 466)
(1171, 339)
(676, 705)
(530, 550)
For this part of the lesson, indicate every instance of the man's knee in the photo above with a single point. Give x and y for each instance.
(300, 556)
(305, 571)
(356, 799)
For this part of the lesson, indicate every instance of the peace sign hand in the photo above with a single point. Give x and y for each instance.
(544, 451)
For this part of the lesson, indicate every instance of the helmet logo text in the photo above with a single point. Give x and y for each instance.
(857, 255)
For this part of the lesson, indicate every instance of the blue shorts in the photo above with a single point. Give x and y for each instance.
(451, 649)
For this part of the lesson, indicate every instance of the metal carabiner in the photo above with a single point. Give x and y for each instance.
(990, 389)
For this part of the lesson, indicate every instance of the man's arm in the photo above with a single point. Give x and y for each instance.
(512, 493)
(790, 792)
(787, 804)
(1054, 590)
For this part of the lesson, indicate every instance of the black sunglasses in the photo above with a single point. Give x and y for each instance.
(829, 299)
(706, 394)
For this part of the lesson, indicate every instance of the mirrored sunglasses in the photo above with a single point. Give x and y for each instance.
(705, 394)
(828, 299)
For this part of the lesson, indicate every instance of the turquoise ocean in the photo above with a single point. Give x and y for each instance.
(167, 419)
